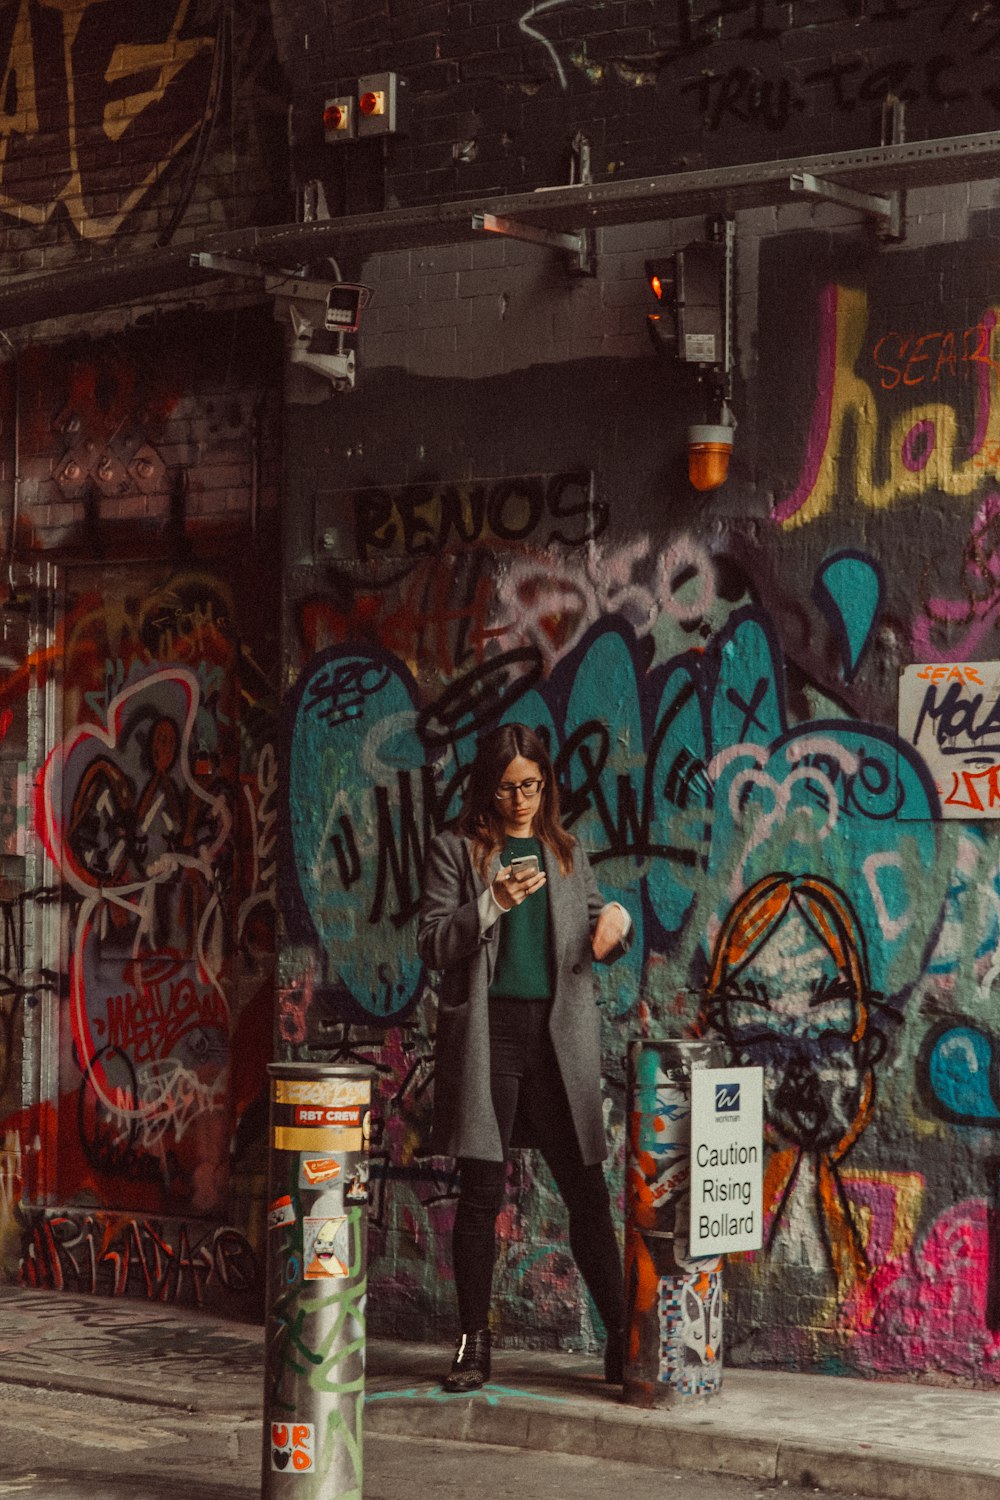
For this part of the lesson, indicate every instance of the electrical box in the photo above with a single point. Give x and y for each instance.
(380, 104)
(339, 120)
(699, 301)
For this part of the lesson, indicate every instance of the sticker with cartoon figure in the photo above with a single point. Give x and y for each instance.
(293, 1446)
(356, 1186)
(326, 1249)
(281, 1212)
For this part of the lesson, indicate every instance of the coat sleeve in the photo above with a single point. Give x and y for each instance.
(596, 904)
(449, 926)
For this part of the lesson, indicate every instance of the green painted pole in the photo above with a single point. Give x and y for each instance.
(314, 1376)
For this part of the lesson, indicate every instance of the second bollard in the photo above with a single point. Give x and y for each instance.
(314, 1378)
(673, 1315)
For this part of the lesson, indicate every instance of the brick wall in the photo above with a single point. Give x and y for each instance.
(497, 90)
(127, 125)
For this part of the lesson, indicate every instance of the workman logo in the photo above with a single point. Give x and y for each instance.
(727, 1098)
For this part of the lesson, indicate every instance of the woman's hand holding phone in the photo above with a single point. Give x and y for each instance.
(511, 886)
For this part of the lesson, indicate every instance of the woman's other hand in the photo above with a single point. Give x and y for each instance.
(510, 890)
(610, 930)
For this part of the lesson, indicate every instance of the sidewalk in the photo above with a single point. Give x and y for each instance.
(914, 1442)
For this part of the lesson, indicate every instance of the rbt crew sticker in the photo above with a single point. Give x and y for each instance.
(293, 1446)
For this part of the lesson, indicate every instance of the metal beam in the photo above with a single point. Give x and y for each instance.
(108, 280)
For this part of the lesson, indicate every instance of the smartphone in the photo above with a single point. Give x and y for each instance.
(523, 865)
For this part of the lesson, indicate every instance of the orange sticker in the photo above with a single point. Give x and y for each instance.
(293, 1446)
(321, 1169)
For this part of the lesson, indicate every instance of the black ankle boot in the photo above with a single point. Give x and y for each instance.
(471, 1366)
(614, 1358)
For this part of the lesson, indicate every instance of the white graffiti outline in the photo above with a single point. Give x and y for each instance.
(539, 586)
(536, 10)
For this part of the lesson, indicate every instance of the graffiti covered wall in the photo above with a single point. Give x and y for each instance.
(139, 861)
(719, 683)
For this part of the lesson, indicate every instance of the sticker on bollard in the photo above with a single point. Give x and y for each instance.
(317, 1170)
(292, 1446)
(326, 1249)
(281, 1213)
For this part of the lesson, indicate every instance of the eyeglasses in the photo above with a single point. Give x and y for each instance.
(507, 790)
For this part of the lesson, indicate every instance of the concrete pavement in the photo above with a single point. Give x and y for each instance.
(890, 1440)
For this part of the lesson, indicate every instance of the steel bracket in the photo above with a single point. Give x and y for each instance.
(276, 283)
(884, 209)
(574, 245)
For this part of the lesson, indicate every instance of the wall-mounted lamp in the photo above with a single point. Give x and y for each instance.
(709, 446)
(693, 324)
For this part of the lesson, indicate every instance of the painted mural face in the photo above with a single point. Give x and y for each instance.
(794, 1013)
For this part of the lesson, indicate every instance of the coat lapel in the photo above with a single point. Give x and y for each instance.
(559, 904)
(479, 885)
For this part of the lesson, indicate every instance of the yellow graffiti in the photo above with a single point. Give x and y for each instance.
(169, 58)
(921, 451)
(18, 82)
(30, 69)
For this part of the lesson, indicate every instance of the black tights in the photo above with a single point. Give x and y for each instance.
(530, 1087)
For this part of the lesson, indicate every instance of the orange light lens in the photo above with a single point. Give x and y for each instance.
(372, 103)
(657, 286)
(708, 464)
(334, 118)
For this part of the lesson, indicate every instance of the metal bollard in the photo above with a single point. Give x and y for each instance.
(673, 1304)
(314, 1376)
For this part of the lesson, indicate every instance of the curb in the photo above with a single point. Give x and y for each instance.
(649, 1439)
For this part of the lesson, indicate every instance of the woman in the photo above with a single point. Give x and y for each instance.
(518, 1057)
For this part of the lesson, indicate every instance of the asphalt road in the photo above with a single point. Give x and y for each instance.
(59, 1446)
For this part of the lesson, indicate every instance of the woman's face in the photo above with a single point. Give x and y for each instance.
(518, 808)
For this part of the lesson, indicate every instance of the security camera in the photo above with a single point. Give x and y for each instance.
(337, 368)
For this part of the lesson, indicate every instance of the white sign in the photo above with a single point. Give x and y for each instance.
(950, 713)
(727, 1147)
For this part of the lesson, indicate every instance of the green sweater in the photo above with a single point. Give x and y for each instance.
(524, 960)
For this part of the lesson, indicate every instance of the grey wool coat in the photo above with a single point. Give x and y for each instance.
(448, 940)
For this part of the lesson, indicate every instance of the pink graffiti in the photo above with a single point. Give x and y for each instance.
(979, 608)
(161, 1006)
(934, 1314)
(982, 367)
(918, 445)
(826, 371)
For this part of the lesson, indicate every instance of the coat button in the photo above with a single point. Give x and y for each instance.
(578, 968)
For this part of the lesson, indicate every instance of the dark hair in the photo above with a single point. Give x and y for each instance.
(481, 820)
